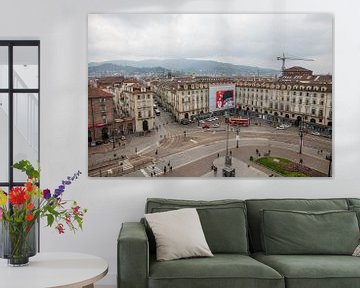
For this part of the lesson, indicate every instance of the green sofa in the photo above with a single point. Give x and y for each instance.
(256, 243)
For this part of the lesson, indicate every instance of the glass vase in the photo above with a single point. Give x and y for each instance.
(18, 242)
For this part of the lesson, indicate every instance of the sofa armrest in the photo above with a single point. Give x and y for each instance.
(133, 256)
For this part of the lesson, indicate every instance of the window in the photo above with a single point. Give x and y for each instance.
(19, 108)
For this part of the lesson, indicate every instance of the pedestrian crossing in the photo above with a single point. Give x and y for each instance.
(151, 170)
(126, 164)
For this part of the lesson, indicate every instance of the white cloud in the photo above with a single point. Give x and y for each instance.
(246, 39)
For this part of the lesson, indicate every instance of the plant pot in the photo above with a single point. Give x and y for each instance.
(18, 242)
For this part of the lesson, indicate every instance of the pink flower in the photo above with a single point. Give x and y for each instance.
(1, 212)
(60, 228)
(76, 209)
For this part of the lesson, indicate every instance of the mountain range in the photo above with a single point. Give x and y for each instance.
(175, 66)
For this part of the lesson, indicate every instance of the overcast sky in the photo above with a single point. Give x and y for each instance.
(245, 39)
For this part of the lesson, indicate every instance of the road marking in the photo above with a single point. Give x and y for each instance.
(192, 140)
(144, 173)
(149, 169)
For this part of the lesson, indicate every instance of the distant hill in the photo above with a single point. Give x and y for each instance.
(182, 66)
(108, 69)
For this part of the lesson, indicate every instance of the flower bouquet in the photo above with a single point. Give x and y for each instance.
(21, 208)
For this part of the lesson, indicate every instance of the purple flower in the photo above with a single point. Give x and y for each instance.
(57, 193)
(46, 194)
(68, 181)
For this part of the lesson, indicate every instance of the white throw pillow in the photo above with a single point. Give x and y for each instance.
(357, 251)
(178, 234)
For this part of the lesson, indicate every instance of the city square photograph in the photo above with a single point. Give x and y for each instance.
(210, 95)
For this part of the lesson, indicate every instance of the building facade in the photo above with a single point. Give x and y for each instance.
(138, 103)
(186, 98)
(291, 98)
(100, 114)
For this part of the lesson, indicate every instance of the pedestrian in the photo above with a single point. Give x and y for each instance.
(156, 152)
(218, 155)
(230, 153)
(257, 151)
(169, 163)
(301, 161)
(135, 149)
(164, 169)
(170, 168)
(269, 152)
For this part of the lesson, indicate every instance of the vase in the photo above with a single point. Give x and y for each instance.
(18, 242)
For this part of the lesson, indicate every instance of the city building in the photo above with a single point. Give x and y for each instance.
(186, 97)
(290, 98)
(100, 114)
(137, 102)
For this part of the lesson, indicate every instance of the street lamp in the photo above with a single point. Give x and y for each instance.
(301, 134)
(113, 136)
(237, 136)
(329, 157)
(227, 156)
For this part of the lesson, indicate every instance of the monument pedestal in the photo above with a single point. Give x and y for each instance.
(228, 171)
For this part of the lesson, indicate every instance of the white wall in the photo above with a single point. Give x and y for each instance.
(62, 28)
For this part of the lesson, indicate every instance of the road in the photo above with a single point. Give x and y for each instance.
(178, 146)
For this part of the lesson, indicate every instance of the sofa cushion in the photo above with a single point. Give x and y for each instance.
(297, 232)
(353, 201)
(178, 234)
(313, 271)
(356, 209)
(254, 217)
(222, 270)
(223, 221)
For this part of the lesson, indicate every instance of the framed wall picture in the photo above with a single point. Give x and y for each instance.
(210, 95)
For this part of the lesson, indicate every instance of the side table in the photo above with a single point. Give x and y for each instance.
(50, 270)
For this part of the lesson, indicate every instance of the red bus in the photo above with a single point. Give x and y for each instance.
(244, 122)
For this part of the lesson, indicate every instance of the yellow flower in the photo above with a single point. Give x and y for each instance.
(3, 198)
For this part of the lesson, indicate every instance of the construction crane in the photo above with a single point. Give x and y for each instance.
(283, 58)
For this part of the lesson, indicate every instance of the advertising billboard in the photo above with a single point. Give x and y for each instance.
(221, 97)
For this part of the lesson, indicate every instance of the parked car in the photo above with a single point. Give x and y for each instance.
(315, 133)
(216, 125)
(280, 128)
(205, 126)
(202, 122)
(185, 121)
